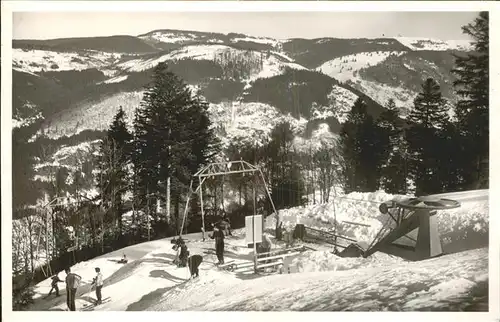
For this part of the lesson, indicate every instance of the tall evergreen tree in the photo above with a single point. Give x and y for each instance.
(430, 108)
(173, 138)
(113, 177)
(363, 150)
(394, 170)
(427, 119)
(472, 85)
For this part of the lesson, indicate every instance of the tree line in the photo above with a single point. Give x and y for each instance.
(436, 152)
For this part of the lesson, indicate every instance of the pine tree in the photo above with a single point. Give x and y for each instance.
(427, 119)
(430, 108)
(394, 172)
(472, 110)
(115, 157)
(363, 150)
(173, 137)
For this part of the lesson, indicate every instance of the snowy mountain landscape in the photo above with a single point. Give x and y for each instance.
(321, 281)
(137, 156)
(66, 87)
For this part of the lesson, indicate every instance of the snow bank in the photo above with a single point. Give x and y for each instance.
(400, 287)
(363, 208)
(320, 261)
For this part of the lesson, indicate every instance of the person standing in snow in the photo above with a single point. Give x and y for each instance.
(98, 282)
(265, 246)
(227, 225)
(194, 262)
(218, 235)
(72, 282)
(55, 280)
(287, 237)
(184, 254)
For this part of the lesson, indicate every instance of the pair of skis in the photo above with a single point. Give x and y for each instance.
(92, 306)
(228, 266)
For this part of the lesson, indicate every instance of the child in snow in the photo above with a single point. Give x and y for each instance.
(124, 260)
(194, 262)
(72, 283)
(218, 235)
(97, 281)
(55, 280)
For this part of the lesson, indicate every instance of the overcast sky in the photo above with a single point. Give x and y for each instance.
(441, 25)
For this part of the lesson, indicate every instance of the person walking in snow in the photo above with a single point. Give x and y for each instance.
(98, 283)
(218, 235)
(55, 280)
(72, 283)
(193, 263)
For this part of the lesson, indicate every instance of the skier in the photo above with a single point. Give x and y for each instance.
(194, 262)
(97, 281)
(55, 280)
(72, 283)
(218, 235)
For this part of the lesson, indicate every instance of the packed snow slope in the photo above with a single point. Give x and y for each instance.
(321, 282)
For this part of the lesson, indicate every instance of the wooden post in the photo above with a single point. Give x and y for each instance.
(168, 200)
(202, 212)
(270, 198)
(187, 206)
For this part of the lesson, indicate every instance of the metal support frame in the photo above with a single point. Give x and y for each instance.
(410, 214)
(223, 168)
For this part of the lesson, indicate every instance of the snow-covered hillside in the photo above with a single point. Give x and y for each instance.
(248, 123)
(340, 101)
(26, 115)
(344, 68)
(259, 40)
(257, 57)
(35, 61)
(170, 37)
(415, 43)
(321, 282)
(93, 116)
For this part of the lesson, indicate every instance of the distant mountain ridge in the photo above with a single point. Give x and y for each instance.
(72, 87)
